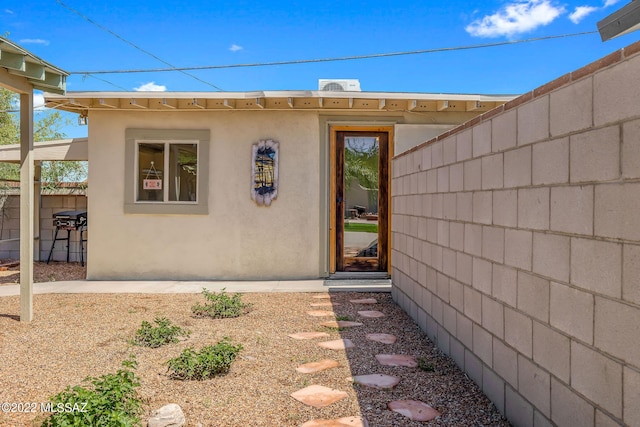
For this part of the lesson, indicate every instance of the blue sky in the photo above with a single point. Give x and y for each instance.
(225, 32)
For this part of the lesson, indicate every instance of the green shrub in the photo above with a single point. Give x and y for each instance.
(425, 365)
(155, 336)
(220, 305)
(212, 360)
(110, 401)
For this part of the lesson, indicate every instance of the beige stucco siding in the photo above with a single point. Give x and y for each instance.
(236, 239)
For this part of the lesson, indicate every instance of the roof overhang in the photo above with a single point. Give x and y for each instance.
(39, 73)
(62, 149)
(83, 102)
(620, 22)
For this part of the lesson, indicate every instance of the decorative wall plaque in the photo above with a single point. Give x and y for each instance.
(264, 172)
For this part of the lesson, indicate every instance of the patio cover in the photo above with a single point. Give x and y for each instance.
(22, 72)
(58, 150)
(294, 100)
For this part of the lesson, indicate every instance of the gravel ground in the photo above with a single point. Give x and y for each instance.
(75, 336)
(42, 272)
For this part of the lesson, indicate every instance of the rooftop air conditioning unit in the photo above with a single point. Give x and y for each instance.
(349, 85)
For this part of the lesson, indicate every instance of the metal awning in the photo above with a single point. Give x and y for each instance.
(83, 102)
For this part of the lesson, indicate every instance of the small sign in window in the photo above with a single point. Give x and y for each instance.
(152, 184)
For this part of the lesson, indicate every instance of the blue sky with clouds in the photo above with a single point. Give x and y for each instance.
(80, 36)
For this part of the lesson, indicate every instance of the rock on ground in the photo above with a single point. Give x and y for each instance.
(170, 415)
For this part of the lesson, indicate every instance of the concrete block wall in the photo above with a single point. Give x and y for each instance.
(520, 255)
(49, 204)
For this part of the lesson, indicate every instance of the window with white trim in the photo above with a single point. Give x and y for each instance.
(166, 171)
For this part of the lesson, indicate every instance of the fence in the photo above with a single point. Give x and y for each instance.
(516, 247)
(49, 204)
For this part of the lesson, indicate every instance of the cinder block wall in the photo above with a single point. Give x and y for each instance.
(49, 204)
(516, 247)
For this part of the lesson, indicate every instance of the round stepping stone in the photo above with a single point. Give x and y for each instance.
(308, 335)
(340, 324)
(338, 344)
(340, 422)
(318, 396)
(414, 410)
(320, 313)
(309, 368)
(371, 313)
(382, 338)
(397, 360)
(323, 296)
(324, 304)
(379, 381)
(364, 301)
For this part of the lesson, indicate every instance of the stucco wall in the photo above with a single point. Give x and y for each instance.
(408, 136)
(516, 247)
(236, 239)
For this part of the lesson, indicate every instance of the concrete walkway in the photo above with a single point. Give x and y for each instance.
(180, 287)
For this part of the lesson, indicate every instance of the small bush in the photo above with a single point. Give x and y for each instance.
(110, 401)
(425, 365)
(212, 360)
(220, 305)
(155, 336)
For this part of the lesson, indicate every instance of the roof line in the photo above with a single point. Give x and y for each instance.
(39, 60)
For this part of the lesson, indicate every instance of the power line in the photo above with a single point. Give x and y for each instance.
(106, 81)
(135, 46)
(343, 58)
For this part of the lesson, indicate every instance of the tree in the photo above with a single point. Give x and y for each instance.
(361, 163)
(361, 158)
(46, 128)
(8, 126)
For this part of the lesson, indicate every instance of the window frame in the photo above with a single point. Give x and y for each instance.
(135, 137)
(165, 168)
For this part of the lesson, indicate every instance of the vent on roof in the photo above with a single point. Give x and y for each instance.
(351, 85)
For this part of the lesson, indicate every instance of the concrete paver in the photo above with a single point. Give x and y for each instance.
(340, 324)
(414, 410)
(382, 338)
(342, 344)
(397, 360)
(308, 335)
(379, 381)
(371, 313)
(318, 396)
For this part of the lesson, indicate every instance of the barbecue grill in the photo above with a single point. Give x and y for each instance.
(69, 221)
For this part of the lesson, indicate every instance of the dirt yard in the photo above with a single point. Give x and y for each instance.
(74, 336)
(42, 272)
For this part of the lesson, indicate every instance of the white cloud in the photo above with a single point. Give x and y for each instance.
(581, 12)
(234, 48)
(35, 41)
(516, 18)
(150, 87)
(608, 3)
(9, 11)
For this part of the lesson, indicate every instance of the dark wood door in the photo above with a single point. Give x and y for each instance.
(362, 200)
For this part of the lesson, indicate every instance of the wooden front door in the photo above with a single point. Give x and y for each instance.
(360, 194)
